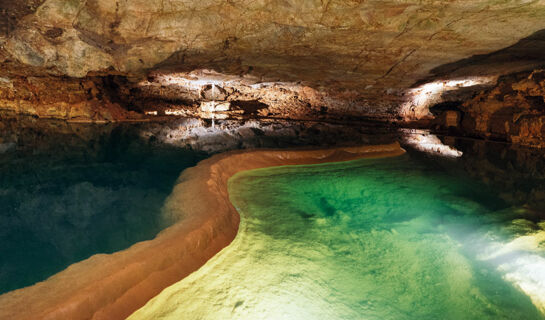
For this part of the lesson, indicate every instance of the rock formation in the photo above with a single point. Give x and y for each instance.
(384, 60)
(512, 110)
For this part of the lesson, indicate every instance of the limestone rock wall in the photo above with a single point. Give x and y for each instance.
(513, 110)
(77, 36)
(364, 52)
(61, 98)
(341, 58)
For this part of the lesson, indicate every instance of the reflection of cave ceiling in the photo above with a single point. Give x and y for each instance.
(367, 47)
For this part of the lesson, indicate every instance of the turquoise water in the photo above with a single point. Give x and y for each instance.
(63, 199)
(395, 238)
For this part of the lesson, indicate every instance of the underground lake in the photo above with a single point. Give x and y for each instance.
(406, 237)
(448, 228)
(64, 198)
(272, 159)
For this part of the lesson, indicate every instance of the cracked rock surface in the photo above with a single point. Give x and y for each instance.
(289, 59)
(371, 47)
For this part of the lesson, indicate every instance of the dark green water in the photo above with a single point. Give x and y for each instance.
(63, 199)
(395, 238)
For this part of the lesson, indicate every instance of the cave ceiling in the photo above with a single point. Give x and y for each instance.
(373, 49)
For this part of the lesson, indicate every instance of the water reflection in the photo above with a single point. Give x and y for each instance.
(517, 176)
(70, 191)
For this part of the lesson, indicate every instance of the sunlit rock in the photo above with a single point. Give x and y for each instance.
(213, 106)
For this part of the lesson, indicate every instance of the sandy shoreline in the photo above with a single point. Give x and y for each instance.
(113, 286)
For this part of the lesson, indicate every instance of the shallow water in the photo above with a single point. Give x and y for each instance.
(68, 191)
(64, 198)
(395, 238)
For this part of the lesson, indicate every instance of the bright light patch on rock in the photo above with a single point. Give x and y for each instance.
(430, 143)
(420, 99)
(175, 112)
(195, 80)
(213, 106)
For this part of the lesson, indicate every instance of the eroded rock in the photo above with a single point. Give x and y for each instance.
(362, 54)
(59, 98)
(513, 110)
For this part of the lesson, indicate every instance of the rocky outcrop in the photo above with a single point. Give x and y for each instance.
(246, 96)
(72, 99)
(34, 91)
(513, 110)
(320, 55)
(376, 37)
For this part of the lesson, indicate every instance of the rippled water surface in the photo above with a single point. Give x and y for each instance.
(395, 238)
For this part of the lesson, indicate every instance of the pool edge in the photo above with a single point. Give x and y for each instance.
(113, 286)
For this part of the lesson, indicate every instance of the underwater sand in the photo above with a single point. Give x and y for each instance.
(366, 239)
(60, 208)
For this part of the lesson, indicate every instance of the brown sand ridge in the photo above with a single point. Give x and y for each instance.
(113, 286)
